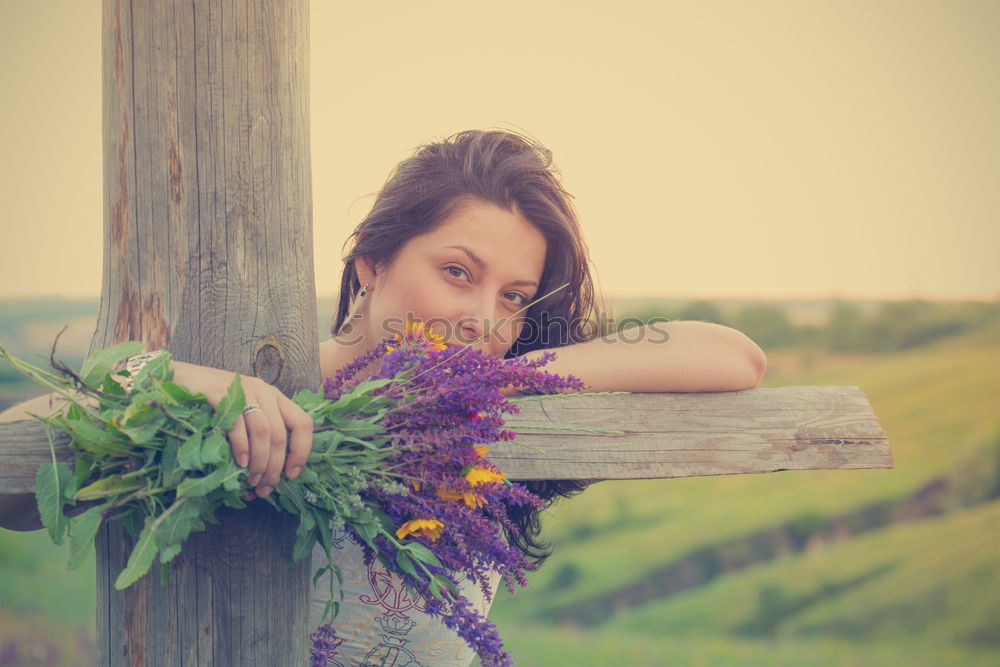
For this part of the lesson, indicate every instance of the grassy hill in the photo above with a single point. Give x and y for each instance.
(895, 566)
(855, 567)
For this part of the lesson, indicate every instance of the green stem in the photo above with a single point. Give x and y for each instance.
(48, 380)
(140, 472)
(138, 493)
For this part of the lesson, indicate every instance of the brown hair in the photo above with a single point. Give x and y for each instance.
(515, 173)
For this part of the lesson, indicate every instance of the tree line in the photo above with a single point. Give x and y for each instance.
(892, 325)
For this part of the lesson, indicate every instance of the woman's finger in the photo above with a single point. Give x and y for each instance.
(259, 432)
(278, 443)
(301, 425)
(240, 443)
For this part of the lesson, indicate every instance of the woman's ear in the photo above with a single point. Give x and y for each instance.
(365, 268)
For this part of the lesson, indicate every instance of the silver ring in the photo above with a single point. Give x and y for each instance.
(251, 408)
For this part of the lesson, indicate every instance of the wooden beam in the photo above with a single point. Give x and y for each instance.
(662, 435)
(686, 435)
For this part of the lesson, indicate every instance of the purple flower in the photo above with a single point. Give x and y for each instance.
(442, 404)
(325, 645)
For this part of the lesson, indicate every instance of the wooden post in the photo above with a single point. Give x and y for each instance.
(208, 253)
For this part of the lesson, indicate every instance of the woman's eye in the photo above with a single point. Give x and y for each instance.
(457, 272)
(515, 298)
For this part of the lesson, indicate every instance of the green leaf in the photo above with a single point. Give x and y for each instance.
(367, 531)
(422, 553)
(435, 588)
(306, 398)
(69, 491)
(305, 536)
(178, 393)
(368, 386)
(132, 522)
(232, 499)
(92, 438)
(194, 487)
(360, 428)
(83, 469)
(170, 472)
(231, 406)
(109, 486)
(189, 454)
(331, 610)
(324, 532)
(110, 386)
(139, 412)
(50, 493)
(167, 553)
(141, 420)
(83, 530)
(156, 370)
(307, 476)
(436, 582)
(213, 450)
(232, 482)
(293, 491)
(318, 574)
(286, 504)
(141, 557)
(99, 364)
(405, 564)
(176, 525)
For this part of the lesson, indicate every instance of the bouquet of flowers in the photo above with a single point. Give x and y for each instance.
(399, 452)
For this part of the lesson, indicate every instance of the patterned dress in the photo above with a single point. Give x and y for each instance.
(382, 624)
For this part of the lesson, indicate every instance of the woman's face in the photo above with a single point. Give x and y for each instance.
(464, 280)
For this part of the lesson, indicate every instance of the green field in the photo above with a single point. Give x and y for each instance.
(855, 567)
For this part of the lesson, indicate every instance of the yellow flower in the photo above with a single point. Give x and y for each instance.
(471, 500)
(421, 528)
(480, 475)
(482, 451)
(416, 331)
(414, 328)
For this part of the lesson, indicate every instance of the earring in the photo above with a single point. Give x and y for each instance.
(359, 299)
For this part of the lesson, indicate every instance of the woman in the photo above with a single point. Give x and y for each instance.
(462, 237)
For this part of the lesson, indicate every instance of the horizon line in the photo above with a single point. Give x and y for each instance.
(820, 296)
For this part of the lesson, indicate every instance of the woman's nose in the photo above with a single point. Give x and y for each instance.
(471, 329)
(473, 326)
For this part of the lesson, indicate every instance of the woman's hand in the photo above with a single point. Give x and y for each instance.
(259, 438)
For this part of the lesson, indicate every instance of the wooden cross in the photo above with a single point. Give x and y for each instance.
(208, 253)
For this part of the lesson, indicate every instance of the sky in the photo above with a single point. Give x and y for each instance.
(774, 149)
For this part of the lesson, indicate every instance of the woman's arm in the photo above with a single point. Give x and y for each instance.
(677, 356)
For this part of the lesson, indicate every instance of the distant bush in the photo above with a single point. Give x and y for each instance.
(894, 325)
(898, 325)
(767, 325)
(703, 311)
(567, 576)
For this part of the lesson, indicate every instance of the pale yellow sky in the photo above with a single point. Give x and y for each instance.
(770, 149)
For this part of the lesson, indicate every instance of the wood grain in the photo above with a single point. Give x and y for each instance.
(208, 253)
(684, 435)
(657, 436)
